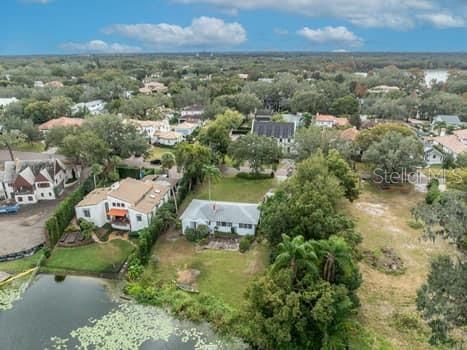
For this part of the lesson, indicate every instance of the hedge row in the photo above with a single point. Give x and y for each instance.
(64, 213)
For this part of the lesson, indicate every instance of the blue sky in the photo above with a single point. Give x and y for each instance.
(121, 26)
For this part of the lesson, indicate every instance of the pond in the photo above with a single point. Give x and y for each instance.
(83, 313)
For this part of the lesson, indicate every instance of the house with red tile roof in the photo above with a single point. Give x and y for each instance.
(330, 121)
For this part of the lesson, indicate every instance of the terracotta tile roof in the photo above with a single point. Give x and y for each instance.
(461, 134)
(452, 143)
(168, 135)
(63, 121)
(349, 134)
(94, 197)
(325, 118)
(342, 121)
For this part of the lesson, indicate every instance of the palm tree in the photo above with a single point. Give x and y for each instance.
(296, 254)
(96, 170)
(167, 161)
(335, 255)
(213, 173)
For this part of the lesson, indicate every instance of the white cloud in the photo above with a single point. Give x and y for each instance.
(203, 32)
(396, 14)
(443, 20)
(99, 46)
(340, 36)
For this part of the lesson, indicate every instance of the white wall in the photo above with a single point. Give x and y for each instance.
(135, 224)
(98, 214)
(188, 223)
(45, 193)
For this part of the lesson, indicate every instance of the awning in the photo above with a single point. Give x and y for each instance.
(117, 212)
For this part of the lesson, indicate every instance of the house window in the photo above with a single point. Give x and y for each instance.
(30, 198)
(139, 218)
(42, 195)
(50, 194)
(86, 213)
(246, 226)
(114, 204)
(20, 199)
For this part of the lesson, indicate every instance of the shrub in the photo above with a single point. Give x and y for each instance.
(253, 176)
(196, 234)
(245, 243)
(135, 269)
(433, 191)
(415, 224)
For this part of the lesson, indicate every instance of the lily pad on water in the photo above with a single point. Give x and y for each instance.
(129, 326)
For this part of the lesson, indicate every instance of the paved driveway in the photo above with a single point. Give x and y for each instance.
(26, 229)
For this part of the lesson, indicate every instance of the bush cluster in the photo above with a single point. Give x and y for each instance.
(245, 243)
(59, 221)
(196, 234)
(255, 176)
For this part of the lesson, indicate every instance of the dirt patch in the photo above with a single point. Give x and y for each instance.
(385, 260)
(223, 244)
(188, 277)
(372, 208)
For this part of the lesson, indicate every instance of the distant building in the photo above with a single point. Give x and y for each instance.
(58, 122)
(192, 114)
(149, 128)
(227, 217)
(28, 182)
(454, 144)
(449, 120)
(283, 133)
(383, 89)
(54, 84)
(153, 87)
(39, 84)
(127, 205)
(168, 138)
(330, 121)
(6, 101)
(243, 76)
(93, 107)
(185, 128)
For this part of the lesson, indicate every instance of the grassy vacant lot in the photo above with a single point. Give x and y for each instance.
(233, 189)
(224, 274)
(21, 265)
(94, 258)
(388, 301)
(157, 151)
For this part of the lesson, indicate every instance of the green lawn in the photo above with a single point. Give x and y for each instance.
(224, 274)
(30, 147)
(157, 151)
(21, 265)
(95, 258)
(233, 189)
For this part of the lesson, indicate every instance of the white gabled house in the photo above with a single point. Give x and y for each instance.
(227, 217)
(128, 205)
(28, 182)
(95, 107)
(149, 128)
(185, 128)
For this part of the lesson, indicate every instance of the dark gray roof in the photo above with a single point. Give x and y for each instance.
(274, 129)
(448, 119)
(245, 213)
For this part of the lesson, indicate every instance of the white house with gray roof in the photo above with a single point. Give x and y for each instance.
(227, 217)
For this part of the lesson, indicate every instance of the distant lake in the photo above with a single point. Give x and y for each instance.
(80, 313)
(439, 75)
